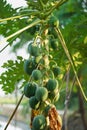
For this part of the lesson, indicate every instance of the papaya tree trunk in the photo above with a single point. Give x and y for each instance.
(82, 109)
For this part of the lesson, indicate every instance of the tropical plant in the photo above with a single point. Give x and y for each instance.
(44, 25)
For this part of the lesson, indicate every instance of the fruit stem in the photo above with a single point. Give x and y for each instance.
(14, 112)
(62, 41)
(21, 30)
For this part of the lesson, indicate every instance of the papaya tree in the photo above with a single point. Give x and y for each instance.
(42, 26)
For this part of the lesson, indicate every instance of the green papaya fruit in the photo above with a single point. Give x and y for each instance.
(54, 44)
(41, 94)
(34, 103)
(29, 66)
(36, 74)
(39, 123)
(30, 89)
(56, 70)
(34, 49)
(52, 85)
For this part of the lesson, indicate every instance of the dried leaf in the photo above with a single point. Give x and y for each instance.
(55, 121)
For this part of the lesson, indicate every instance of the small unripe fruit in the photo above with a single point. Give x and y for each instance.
(54, 44)
(39, 123)
(29, 66)
(34, 103)
(33, 49)
(41, 94)
(36, 74)
(52, 85)
(30, 89)
(56, 70)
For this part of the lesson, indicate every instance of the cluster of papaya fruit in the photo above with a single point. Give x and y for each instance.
(43, 86)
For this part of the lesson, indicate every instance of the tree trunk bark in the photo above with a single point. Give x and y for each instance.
(81, 109)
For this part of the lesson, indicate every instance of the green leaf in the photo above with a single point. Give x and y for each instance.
(13, 75)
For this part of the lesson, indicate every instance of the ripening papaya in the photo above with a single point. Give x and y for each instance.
(34, 103)
(34, 49)
(30, 89)
(29, 66)
(36, 74)
(39, 122)
(52, 85)
(41, 94)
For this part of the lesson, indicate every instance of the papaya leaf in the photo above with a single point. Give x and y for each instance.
(13, 75)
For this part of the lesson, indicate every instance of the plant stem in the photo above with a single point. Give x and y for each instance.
(56, 5)
(14, 112)
(11, 18)
(62, 41)
(8, 44)
(21, 30)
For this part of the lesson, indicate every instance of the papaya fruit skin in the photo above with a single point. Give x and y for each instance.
(41, 94)
(34, 103)
(52, 85)
(56, 71)
(39, 123)
(34, 50)
(36, 74)
(54, 44)
(30, 89)
(29, 66)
